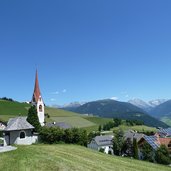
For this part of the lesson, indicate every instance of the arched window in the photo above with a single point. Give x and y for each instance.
(40, 108)
(169, 145)
(22, 135)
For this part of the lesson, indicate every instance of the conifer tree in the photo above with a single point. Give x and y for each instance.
(33, 118)
(135, 148)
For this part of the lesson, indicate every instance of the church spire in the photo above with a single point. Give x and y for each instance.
(36, 93)
(37, 101)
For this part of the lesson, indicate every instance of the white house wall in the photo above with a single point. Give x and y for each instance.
(15, 138)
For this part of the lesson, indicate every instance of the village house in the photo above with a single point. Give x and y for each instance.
(130, 134)
(102, 142)
(162, 137)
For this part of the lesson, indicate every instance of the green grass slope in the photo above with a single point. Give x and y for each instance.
(69, 158)
(13, 108)
(10, 109)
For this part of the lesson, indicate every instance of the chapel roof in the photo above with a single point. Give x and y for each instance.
(18, 123)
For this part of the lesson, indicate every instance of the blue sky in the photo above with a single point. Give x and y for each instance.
(85, 50)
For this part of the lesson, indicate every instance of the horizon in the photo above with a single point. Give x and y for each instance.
(85, 51)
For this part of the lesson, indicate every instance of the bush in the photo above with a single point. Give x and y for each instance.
(147, 152)
(162, 155)
(101, 150)
(56, 135)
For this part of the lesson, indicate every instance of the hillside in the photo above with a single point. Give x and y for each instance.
(163, 112)
(111, 108)
(10, 109)
(69, 158)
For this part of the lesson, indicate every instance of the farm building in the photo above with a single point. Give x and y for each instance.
(102, 142)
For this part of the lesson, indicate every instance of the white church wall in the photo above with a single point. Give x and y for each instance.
(27, 140)
(40, 113)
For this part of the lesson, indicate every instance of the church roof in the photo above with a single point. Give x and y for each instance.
(18, 123)
(36, 93)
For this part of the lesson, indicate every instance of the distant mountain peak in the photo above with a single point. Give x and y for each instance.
(147, 106)
(157, 102)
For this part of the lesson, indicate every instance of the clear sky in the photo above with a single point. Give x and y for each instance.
(85, 49)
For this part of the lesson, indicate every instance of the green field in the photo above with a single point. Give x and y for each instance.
(74, 121)
(139, 128)
(69, 158)
(166, 120)
(13, 108)
(54, 112)
(98, 120)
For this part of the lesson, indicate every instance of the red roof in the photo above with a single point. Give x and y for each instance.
(36, 93)
(164, 141)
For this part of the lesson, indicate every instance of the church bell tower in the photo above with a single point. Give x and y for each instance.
(38, 101)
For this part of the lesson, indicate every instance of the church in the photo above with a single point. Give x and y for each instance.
(18, 130)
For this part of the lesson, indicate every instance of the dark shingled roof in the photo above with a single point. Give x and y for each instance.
(131, 134)
(18, 123)
(165, 132)
(104, 140)
(62, 125)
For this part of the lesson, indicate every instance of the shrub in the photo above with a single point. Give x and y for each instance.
(162, 155)
(56, 135)
(101, 150)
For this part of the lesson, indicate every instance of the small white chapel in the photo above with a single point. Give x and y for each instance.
(18, 130)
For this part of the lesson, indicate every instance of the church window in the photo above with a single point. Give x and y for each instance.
(40, 108)
(22, 135)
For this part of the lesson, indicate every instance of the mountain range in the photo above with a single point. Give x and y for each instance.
(114, 109)
(147, 106)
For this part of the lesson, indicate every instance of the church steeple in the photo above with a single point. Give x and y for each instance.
(37, 101)
(36, 93)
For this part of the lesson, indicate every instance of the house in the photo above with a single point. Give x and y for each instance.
(102, 142)
(19, 131)
(155, 141)
(133, 135)
(164, 132)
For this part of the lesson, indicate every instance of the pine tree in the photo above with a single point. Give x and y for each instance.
(118, 143)
(100, 128)
(162, 155)
(135, 148)
(33, 118)
(147, 152)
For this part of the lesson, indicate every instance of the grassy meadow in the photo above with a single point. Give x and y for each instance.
(139, 128)
(166, 120)
(69, 158)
